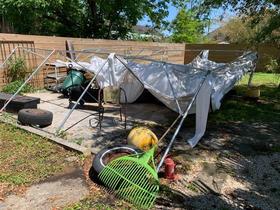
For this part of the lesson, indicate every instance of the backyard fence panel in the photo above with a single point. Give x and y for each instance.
(117, 46)
(170, 52)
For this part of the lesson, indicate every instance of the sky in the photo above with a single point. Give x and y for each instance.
(215, 17)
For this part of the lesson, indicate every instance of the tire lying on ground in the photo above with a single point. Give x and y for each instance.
(35, 117)
(108, 154)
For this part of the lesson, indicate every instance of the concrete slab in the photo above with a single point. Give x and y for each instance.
(58, 191)
(78, 130)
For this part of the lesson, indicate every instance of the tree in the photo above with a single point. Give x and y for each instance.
(239, 30)
(187, 27)
(114, 18)
(255, 10)
(52, 17)
(110, 19)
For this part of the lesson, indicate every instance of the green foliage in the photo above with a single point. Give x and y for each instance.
(187, 27)
(82, 18)
(261, 79)
(273, 66)
(239, 30)
(61, 17)
(16, 69)
(235, 31)
(256, 11)
(12, 87)
(16, 72)
(115, 18)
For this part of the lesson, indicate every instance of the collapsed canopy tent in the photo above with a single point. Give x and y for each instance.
(174, 84)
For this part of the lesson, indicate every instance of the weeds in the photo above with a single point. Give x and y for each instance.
(192, 187)
(16, 73)
(15, 85)
(16, 69)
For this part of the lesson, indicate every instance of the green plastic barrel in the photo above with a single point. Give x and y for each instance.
(74, 78)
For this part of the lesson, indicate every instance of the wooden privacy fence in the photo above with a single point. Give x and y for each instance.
(170, 52)
(117, 46)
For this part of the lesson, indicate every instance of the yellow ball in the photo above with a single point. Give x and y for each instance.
(142, 137)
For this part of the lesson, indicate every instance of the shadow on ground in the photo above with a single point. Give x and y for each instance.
(236, 165)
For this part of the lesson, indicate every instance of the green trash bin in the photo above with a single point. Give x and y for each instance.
(74, 78)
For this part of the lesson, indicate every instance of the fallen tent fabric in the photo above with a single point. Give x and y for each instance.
(113, 73)
(171, 82)
(225, 75)
(174, 84)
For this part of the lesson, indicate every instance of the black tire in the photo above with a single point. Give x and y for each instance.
(37, 117)
(93, 175)
(101, 158)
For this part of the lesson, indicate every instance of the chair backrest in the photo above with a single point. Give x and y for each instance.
(111, 95)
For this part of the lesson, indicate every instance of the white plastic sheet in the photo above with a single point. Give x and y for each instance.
(173, 84)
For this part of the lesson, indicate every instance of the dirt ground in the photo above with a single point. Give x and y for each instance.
(235, 166)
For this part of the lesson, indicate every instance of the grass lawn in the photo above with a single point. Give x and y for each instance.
(238, 108)
(262, 79)
(26, 158)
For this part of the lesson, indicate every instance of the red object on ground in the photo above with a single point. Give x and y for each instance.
(170, 166)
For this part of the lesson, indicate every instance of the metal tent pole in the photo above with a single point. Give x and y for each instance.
(182, 120)
(4, 62)
(32, 52)
(81, 96)
(126, 66)
(27, 80)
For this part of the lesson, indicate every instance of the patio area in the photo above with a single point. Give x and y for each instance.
(78, 130)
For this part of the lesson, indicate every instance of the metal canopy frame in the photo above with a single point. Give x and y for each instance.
(91, 52)
(47, 57)
(126, 66)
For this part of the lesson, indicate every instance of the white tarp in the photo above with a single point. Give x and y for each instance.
(174, 84)
(114, 73)
(225, 75)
